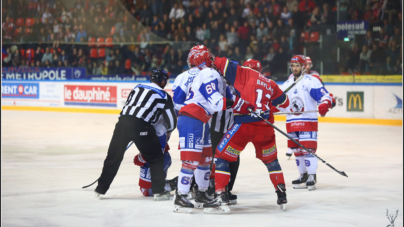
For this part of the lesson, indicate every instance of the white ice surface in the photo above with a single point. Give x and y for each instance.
(47, 157)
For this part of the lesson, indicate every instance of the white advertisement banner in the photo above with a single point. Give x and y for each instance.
(352, 101)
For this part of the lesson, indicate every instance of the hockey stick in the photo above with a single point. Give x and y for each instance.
(99, 178)
(277, 129)
(294, 83)
(312, 111)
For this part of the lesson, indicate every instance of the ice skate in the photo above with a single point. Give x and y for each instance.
(202, 197)
(281, 192)
(289, 153)
(98, 195)
(232, 199)
(311, 182)
(162, 196)
(182, 203)
(300, 182)
(173, 183)
(219, 205)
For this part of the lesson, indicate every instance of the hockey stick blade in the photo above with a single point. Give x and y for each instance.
(297, 143)
(99, 178)
(89, 184)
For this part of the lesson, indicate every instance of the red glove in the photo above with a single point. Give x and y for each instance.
(333, 101)
(241, 106)
(139, 160)
(323, 107)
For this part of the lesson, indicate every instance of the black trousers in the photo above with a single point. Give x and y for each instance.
(215, 138)
(147, 142)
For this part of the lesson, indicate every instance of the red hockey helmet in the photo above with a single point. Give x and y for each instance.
(203, 59)
(301, 60)
(309, 63)
(193, 51)
(253, 64)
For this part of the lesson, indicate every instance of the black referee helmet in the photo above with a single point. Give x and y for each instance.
(158, 76)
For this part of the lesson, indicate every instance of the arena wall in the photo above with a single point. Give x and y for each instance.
(376, 103)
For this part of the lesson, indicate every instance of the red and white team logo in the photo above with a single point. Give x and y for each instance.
(20, 89)
(297, 105)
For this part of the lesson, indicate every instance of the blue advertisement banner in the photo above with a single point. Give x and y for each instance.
(41, 74)
(348, 29)
(20, 90)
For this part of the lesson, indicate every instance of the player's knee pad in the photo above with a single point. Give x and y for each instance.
(273, 166)
(222, 165)
(188, 167)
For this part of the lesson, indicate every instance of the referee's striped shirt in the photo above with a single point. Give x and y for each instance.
(148, 102)
(221, 121)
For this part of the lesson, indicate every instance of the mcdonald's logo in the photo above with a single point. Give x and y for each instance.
(355, 101)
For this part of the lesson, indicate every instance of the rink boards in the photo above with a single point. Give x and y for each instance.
(375, 103)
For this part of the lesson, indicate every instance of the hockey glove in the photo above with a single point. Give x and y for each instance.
(333, 101)
(139, 160)
(242, 106)
(323, 107)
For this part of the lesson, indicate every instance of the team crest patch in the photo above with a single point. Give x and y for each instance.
(269, 151)
(232, 150)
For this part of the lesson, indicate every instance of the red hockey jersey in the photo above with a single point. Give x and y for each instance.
(254, 88)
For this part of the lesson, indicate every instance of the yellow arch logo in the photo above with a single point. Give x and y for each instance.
(355, 101)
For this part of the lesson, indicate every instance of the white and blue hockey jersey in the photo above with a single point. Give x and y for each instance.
(304, 96)
(205, 95)
(181, 86)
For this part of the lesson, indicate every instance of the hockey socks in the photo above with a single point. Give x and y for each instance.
(311, 163)
(185, 176)
(300, 162)
(202, 174)
(222, 175)
(275, 173)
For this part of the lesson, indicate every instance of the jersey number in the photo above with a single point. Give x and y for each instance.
(210, 88)
(190, 94)
(259, 97)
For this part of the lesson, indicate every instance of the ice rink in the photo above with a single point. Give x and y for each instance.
(48, 156)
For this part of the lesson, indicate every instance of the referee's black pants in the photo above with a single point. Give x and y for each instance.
(147, 142)
(215, 137)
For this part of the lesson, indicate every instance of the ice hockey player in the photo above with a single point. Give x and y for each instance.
(315, 74)
(259, 94)
(182, 82)
(306, 95)
(145, 105)
(139, 160)
(204, 98)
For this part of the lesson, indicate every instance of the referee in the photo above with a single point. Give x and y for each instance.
(144, 106)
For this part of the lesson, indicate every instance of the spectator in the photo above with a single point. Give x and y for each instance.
(243, 32)
(232, 36)
(275, 8)
(262, 31)
(47, 64)
(177, 11)
(66, 63)
(394, 54)
(63, 56)
(315, 19)
(298, 17)
(352, 58)
(388, 27)
(249, 54)
(47, 16)
(399, 21)
(284, 44)
(268, 59)
(81, 34)
(47, 56)
(306, 6)
(377, 60)
(383, 38)
(397, 37)
(110, 57)
(328, 16)
(389, 8)
(286, 15)
(119, 69)
(223, 45)
(246, 10)
(291, 4)
(237, 54)
(368, 40)
(7, 28)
